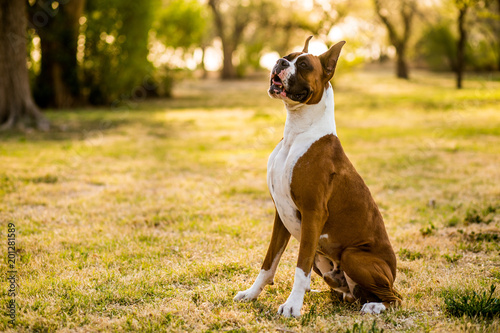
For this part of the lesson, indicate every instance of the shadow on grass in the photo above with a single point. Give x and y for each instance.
(81, 124)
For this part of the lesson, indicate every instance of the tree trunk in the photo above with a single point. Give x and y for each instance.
(228, 69)
(498, 36)
(202, 64)
(402, 71)
(461, 45)
(399, 40)
(17, 107)
(57, 84)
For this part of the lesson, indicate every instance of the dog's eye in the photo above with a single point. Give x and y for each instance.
(303, 64)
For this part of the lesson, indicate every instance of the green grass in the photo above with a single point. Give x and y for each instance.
(361, 328)
(471, 303)
(152, 216)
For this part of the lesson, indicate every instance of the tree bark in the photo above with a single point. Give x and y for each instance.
(462, 39)
(58, 84)
(17, 107)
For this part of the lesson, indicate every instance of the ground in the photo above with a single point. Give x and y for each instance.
(152, 215)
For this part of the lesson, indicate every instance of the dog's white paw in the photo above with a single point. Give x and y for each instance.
(373, 308)
(291, 308)
(247, 295)
(293, 304)
(264, 278)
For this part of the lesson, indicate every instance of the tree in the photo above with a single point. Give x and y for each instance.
(115, 65)
(57, 23)
(231, 18)
(399, 39)
(498, 32)
(438, 46)
(289, 22)
(495, 25)
(463, 7)
(17, 107)
(245, 26)
(183, 24)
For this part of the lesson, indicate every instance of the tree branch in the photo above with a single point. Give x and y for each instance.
(393, 35)
(219, 23)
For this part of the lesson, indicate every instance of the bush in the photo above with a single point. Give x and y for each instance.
(472, 304)
(115, 65)
(481, 54)
(438, 47)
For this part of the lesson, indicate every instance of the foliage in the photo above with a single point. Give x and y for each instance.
(115, 65)
(482, 53)
(438, 46)
(471, 303)
(182, 24)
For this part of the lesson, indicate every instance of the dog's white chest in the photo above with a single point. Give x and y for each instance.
(303, 128)
(279, 178)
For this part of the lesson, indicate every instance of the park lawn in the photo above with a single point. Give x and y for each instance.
(151, 216)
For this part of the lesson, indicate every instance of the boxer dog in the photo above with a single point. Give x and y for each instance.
(319, 197)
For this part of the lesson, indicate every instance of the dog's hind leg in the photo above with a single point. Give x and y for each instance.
(374, 278)
(359, 293)
(333, 276)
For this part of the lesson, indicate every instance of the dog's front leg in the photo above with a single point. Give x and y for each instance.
(279, 240)
(311, 226)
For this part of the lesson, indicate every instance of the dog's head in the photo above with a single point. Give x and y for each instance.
(301, 77)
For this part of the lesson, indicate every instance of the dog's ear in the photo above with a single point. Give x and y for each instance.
(306, 47)
(329, 59)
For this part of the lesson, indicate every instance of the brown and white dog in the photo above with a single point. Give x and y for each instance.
(319, 197)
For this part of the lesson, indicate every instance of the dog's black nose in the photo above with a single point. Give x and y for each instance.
(283, 63)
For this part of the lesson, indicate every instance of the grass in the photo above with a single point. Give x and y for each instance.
(360, 328)
(471, 303)
(152, 216)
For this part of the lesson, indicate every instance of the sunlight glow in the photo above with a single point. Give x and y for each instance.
(268, 60)
(36, 54)
(317, 47)
(336, 34)
(213, 56)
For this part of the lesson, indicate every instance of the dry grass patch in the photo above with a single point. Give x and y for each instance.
(152, 218)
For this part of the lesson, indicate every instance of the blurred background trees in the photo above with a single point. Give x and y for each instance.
(16, 104)
(395, 14)
(115, 48)
(57, 27)
(111, 52)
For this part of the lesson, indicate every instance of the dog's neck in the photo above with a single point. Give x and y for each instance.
(318, 118)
